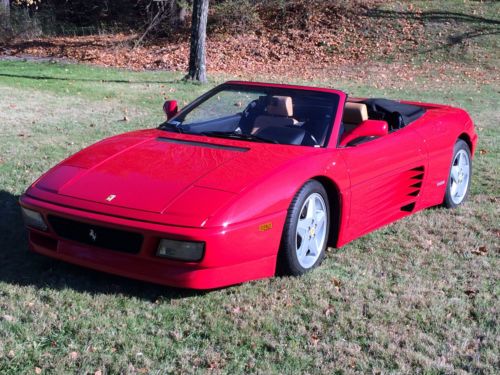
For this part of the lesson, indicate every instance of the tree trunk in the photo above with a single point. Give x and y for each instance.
(5, 14)
(197, 55)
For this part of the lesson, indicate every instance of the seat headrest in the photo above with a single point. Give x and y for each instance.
(355, 113)
(280, 106)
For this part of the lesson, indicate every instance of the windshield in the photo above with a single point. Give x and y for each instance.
(260, 114)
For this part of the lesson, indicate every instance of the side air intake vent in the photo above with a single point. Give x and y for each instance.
(415, 179)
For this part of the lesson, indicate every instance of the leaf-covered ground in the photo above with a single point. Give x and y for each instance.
(418, 296)
(308, 39)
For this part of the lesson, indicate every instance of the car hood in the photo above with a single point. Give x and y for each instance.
(161, 172)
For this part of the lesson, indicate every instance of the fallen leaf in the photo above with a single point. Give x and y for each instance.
(236, 310)
(328, 311)
(471, 292)
(8, 318)
(482, 151)
(337, 283)
(213, 365)
(175, 335)
(38, 370)
(11, 354)
(73, 355)
(98, 372)
(481, 250)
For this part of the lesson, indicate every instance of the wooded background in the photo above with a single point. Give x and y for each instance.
(81, 17)
(298, 38)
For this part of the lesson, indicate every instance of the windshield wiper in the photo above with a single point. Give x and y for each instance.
(177, 127)
(232, 135)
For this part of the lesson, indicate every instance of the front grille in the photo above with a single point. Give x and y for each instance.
(95, 235)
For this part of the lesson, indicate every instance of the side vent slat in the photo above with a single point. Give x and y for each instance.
(408, 207)
(414, 193)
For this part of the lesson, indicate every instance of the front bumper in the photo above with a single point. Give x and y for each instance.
(233, 254)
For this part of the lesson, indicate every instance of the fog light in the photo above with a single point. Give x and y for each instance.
(181, 250)
(33, 219)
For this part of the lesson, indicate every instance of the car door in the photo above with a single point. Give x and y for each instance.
(386, 176)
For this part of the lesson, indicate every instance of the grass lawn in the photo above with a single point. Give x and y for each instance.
(420, 295)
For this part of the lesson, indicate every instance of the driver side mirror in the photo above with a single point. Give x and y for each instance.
(170, 108)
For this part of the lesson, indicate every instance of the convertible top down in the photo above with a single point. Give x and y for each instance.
(248, 180)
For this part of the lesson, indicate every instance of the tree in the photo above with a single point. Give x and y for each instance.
(4, 15)
(177, 14)
(172, 10)
(197, 56)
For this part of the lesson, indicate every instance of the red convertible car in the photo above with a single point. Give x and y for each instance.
(248, 180)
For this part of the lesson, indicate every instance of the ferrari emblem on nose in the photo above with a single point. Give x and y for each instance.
(111, 197)
(93, 235)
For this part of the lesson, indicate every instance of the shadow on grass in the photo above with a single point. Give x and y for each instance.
(479, 26)
(433, 16)
(19, 266)
(9, 75)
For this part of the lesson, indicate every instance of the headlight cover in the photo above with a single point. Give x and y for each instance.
(34, 219)
(181, 250)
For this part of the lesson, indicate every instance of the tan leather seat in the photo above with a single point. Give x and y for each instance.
(354, 114)
(279, 112)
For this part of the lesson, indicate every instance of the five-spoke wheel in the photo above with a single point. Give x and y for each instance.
(306, 230)
(311, 230)
(460, 173)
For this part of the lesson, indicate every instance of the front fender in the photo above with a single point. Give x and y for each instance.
(274, 192)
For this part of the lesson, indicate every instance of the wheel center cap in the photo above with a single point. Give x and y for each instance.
(312, 231)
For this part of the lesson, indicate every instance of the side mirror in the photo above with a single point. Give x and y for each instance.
(367, 129)
(170, 108)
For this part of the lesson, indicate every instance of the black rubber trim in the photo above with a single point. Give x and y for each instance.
(203, 144)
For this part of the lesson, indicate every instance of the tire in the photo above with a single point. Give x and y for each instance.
(305, 235)
(459, 179)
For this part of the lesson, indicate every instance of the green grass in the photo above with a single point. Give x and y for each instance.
(460, 31)
(413, 297)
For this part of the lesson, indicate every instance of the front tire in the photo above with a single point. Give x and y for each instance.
(459, 179)
(305, 235)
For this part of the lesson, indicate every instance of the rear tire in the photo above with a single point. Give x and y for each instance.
(305, 235)
(459, 179)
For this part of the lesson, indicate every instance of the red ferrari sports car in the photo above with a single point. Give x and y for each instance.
(248, 180)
